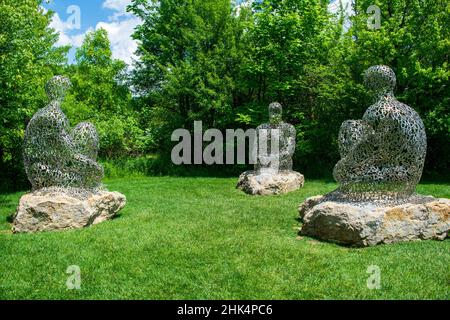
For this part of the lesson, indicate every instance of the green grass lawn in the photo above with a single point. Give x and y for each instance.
(200, 238)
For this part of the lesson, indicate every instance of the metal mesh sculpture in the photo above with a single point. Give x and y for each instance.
(276, 140)
(57, 156)
(383, 154)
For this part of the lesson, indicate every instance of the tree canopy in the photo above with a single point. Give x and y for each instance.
(207, 60)
(27, 59)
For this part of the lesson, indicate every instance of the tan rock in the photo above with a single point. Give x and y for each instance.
(60, 211)
(270, 184)
(367, 224)
(308, 205)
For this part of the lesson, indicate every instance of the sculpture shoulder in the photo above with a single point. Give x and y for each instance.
(411, 113)
(390, 109)
(49, 117)
(264, 126)
(288, 127)
(399, 115)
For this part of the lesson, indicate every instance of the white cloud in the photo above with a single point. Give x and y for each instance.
(122, 45)
(66, 36)
(117, 5)
(58, 24)
(336, 4)
(120, 6)
(242, 4)
(120, 27)
(62, 28)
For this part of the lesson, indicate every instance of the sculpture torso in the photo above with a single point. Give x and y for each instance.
(41, 132)
(55, 155)
(383, 154)
(276, 143)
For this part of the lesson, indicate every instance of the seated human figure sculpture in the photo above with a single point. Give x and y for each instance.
(280, 148)
(383, 154)
(61, 165)
(56, 155)
(382, 161)
(273, 169)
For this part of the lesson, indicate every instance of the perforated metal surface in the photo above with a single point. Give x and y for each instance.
(57, 156)
(383, 154)
(277, 156)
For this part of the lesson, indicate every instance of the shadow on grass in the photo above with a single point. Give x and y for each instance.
(10, 218)
(118, 216)
(438, 182)
(5, 202)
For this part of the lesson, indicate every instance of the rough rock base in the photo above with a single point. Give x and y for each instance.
(60, 211)
(270, 183)
(365, 225)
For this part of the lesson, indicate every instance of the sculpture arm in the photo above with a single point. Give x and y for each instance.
(289, 150)
(366, 154)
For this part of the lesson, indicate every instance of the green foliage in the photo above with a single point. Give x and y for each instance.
(191, 52)
(415, 41)
(292, 60)
(27, 60)
(101, 95)
(119, 136)
(202, 61)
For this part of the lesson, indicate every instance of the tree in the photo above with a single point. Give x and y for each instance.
(190, 55)
(294, 59)
(27, 60)
(100, 94)
(201, 61)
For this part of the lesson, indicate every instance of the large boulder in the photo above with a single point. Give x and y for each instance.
(281, 182)
(59, 210)
(366, 224)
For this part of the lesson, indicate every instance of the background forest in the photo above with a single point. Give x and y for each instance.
(206, 60)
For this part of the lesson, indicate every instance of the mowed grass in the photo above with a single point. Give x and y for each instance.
(200, 238)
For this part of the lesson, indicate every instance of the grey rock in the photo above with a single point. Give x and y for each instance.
(58, 210)
(281, 182)
(365, 224)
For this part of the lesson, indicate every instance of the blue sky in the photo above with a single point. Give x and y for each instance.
(92, 11)
(93, 14)
(108, 14)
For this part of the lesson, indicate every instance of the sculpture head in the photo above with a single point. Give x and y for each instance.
(275, 113)
(57, 87)
(380, 79)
